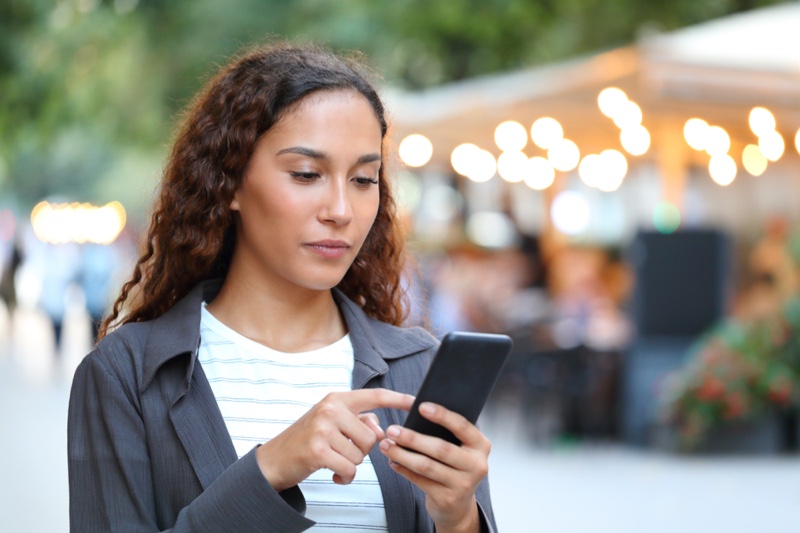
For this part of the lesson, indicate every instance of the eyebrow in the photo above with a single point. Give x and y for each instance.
(316, 154)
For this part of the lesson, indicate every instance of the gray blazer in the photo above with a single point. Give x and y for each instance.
(149, 451)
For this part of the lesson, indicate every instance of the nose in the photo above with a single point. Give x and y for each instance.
(336, 206)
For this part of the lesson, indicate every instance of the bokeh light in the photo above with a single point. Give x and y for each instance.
(722, 169)
(666, 217)
(513, 166)
(570, 213)
(635, 140)
(463, 157)
(564, 155)
(511, 136)
(415, 150)
(628, 116)
(717, 142)
(589, 170)
(484, 167)
(77, 222)
(772, 145)
(442, 203)
(611, 101)
(761, 120)
(695, 131)
(797, 141)
(753, 160)
(613, 168)
(490, 229)
(546, 131)
(541, 173)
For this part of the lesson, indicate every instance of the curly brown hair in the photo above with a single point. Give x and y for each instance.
(192, 229)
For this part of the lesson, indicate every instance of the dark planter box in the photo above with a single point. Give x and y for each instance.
(760, 436)
(765, 435)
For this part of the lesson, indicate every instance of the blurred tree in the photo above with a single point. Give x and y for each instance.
(90, 87)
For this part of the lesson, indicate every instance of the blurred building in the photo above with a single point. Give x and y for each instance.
(698, 127)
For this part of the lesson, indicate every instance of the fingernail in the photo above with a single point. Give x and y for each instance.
(384, 445)
(427, 408)
(393, 431)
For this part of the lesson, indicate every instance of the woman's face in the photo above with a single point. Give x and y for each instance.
(310, 193)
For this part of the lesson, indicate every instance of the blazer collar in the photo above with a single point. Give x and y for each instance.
(177, 332)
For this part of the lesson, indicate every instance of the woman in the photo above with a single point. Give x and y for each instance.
(259, 358)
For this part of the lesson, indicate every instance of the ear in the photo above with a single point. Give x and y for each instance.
(235, 202)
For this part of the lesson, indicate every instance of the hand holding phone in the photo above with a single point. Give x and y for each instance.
(461, 377)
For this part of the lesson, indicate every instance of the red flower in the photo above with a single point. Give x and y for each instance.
(780, 390)
(711, 389)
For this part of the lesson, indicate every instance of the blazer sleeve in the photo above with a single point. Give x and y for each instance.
(110, 480)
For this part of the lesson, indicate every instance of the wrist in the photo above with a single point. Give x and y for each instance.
(268, 469)
(470, 522)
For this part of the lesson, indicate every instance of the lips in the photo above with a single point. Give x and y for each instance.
(331, 249)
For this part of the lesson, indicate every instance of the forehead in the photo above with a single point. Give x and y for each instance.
(329, 101)
(344, 118)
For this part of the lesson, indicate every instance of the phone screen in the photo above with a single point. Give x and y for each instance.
(461, 378)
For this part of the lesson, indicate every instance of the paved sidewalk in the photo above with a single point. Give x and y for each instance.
(572, 490)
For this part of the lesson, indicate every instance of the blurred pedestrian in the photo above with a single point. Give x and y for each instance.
(59, 267)
(8, 284)
(98, 266)
(248, 384)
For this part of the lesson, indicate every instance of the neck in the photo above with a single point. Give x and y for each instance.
(287, 319)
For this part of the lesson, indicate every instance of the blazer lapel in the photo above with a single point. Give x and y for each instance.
(202, 431)
(172, 362)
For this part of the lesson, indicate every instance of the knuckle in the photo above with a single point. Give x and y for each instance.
(326, 407)
(463, 425)
(443, 450)
(449, 500)
(483, 469)
(317, 447)
(425, 468)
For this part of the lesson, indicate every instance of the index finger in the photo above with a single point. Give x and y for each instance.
(361, 400)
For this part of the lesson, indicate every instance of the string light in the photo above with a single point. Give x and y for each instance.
(614, 168)
(717, 142)
(635, 140)
(541, 174)
(462, 157)
(545, 132)
(510, 136)
(695, 131)
(513, 166)
(611, 101)
(753, 160)
(761, 120)
(722, 169)
(415, 150)
(484, 167)
(797, 141)
(772, 145)
(78, 222)
(564, 155)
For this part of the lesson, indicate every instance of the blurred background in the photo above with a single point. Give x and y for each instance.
(614, 184)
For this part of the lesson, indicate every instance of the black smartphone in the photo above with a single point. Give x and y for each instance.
(460, 378)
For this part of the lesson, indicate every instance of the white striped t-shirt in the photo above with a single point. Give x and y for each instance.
(261, 392)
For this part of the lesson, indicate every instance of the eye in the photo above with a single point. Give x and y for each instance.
(304, 176)
(365, 181)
